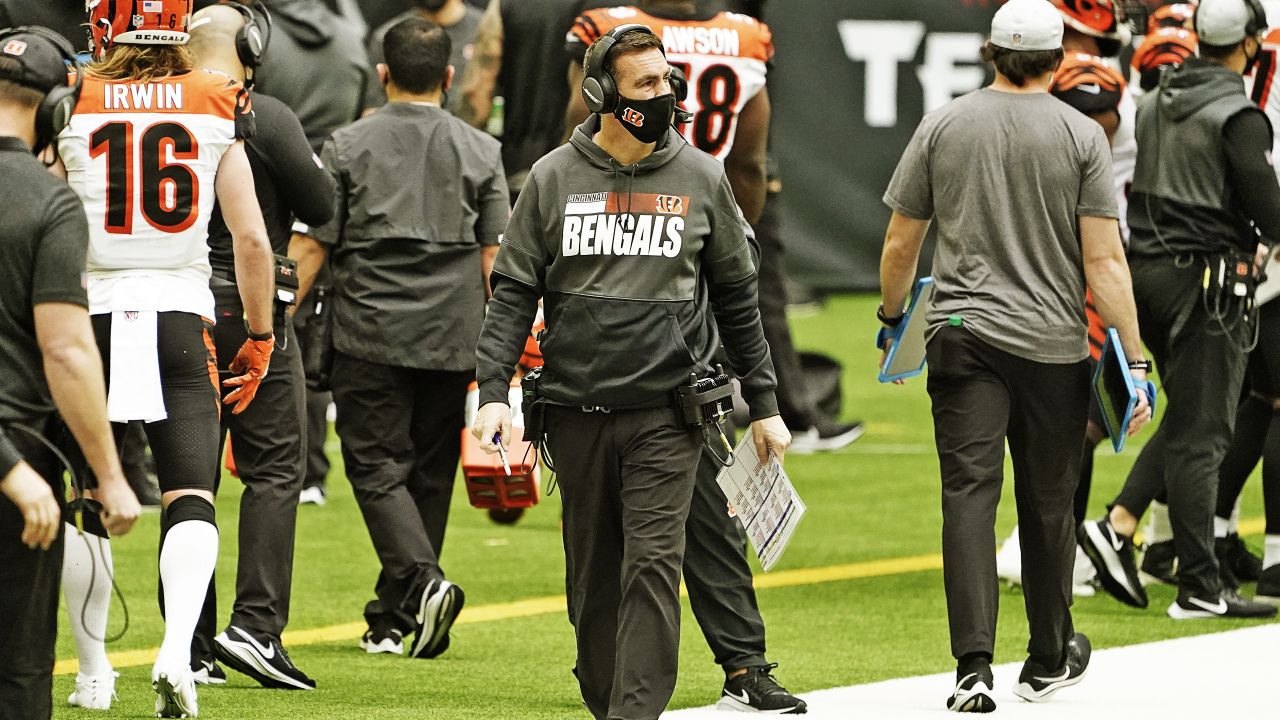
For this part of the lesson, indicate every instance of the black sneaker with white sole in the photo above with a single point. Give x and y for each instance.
(1160, 563)
(757, 691)
(1037, 683)
(1244, 563)
(438, 607)
(380, 640)
(207, 672)
(265, 660)
(1227, 604)
(1112, 555)
(973, 693)
(1268, 586)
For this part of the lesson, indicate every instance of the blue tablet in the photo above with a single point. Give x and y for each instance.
(1113, 386)
(906, 356)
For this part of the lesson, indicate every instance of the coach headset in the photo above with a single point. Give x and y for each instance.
(54, 112)
(251, 40)
(600, 91)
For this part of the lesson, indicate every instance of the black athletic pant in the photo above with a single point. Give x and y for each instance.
(981, 396)
(316, 407)
(268, 443)
(627, 480)
(1201, 370)
(1257, 434)
(30, 583)
(718, 576)
(794, 403)
(401, 432)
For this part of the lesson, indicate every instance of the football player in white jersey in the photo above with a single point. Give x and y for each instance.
(153, 143)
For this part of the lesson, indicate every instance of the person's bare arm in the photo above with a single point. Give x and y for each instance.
(488, 254)
(745, 163)
(482, 72)
(898, 260)
(310, 256)
(33, 497)
(577, 110)
(74, 372)
(255, 266)
(1107, 274)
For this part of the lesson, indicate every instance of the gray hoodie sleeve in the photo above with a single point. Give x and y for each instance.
(730, 259)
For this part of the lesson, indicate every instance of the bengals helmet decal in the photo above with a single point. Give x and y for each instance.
(1088, 84)
(137, 22)
(1098, 18)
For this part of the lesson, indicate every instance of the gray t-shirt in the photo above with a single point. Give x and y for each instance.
(1005, 176)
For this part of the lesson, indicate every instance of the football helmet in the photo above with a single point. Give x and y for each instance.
(137, 22)
(1177, 15)
(1096, 18)
(1164, 46)
(1088, 84)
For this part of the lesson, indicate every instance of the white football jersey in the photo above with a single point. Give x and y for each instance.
(1263, 87)
(143, 158)
(724, 58)
(1124, 157)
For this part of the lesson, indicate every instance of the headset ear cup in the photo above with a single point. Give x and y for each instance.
(609, 92)
(593, 94)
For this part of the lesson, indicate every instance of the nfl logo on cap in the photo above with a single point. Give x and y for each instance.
(1017, 38)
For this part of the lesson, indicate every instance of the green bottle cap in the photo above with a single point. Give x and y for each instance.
(955, 321)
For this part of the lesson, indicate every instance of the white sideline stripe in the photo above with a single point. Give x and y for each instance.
(1225, 675)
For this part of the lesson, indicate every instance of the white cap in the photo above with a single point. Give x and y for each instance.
(1027, 25)
(1222, 22)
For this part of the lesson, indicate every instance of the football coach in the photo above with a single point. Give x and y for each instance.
(1021, 187)
(629, 235)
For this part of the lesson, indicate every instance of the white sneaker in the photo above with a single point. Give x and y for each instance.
(313, 495)
(175, 693)
(94, 692)
(1009, 560)
(1084, 576)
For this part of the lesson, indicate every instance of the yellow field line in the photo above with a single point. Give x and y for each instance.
(550, 604)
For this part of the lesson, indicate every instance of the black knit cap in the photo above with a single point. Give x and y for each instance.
(30, 59)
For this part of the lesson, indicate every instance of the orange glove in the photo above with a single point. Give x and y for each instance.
(252, 362)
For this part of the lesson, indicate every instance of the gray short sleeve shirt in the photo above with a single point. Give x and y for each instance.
(1005, 177)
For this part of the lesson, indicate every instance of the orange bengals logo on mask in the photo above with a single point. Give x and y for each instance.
(632, 116)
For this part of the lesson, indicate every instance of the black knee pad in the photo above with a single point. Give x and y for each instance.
(189, 507)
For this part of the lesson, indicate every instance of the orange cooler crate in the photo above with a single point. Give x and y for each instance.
(489, 486)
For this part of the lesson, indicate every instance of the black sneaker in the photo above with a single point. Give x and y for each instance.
(1037, 683)
(1228, 604)
(1112, 555)
(379, 640)
(1246, 566)
(1224, 552)
(973, 693)
(207, 672)
(757, 691)
(268, 663)
(1269, 586)
(437, 609)
(1160, 563)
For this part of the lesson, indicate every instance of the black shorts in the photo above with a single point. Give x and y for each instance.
(185, 444)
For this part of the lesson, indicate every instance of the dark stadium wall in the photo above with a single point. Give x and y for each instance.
(851, 82)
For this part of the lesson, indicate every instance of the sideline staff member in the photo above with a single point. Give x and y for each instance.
(1204, 175)
(48, 358)
(1008, 347)
(629, 234)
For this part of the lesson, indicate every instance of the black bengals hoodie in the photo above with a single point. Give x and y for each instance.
(632, 262)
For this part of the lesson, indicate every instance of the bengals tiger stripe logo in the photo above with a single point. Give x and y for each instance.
(633, 117)
(670, 204)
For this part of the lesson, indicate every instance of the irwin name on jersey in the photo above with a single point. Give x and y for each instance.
(142, 96)
(619, 224)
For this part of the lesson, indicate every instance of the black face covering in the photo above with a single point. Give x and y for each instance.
(646, 120)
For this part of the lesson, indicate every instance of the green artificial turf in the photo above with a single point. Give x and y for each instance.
(875, 500)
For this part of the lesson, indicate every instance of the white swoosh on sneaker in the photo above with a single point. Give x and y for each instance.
(268, 652)
(1217, 609)
(1066, 672)
(745, 699)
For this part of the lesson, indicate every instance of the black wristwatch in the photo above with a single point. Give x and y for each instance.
(1143, 365)
(892, 322)
(259, 337)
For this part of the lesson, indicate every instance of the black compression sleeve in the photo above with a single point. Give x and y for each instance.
(737, 310)
(9, 456)
(506, 325)
(1247, 142)
(305, 187)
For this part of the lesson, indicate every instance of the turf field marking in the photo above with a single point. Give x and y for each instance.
(532, 607)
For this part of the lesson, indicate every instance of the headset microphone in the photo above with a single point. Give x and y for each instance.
(683, 116)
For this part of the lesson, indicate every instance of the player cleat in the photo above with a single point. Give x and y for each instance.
(1269, 586)
(207, 672)
(267, 662)
(757, 691)
(175, 693)
(1037, 683)
(1160, 563)
(973, 693)
(439, 607)
(313, 495)
(1112, 555)
(1228, 604)
(825, 436)
(94, 693)
(382, 640)
(1084, 577)
(1009, 560)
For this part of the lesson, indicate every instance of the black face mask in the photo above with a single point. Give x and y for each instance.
(646, 120)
